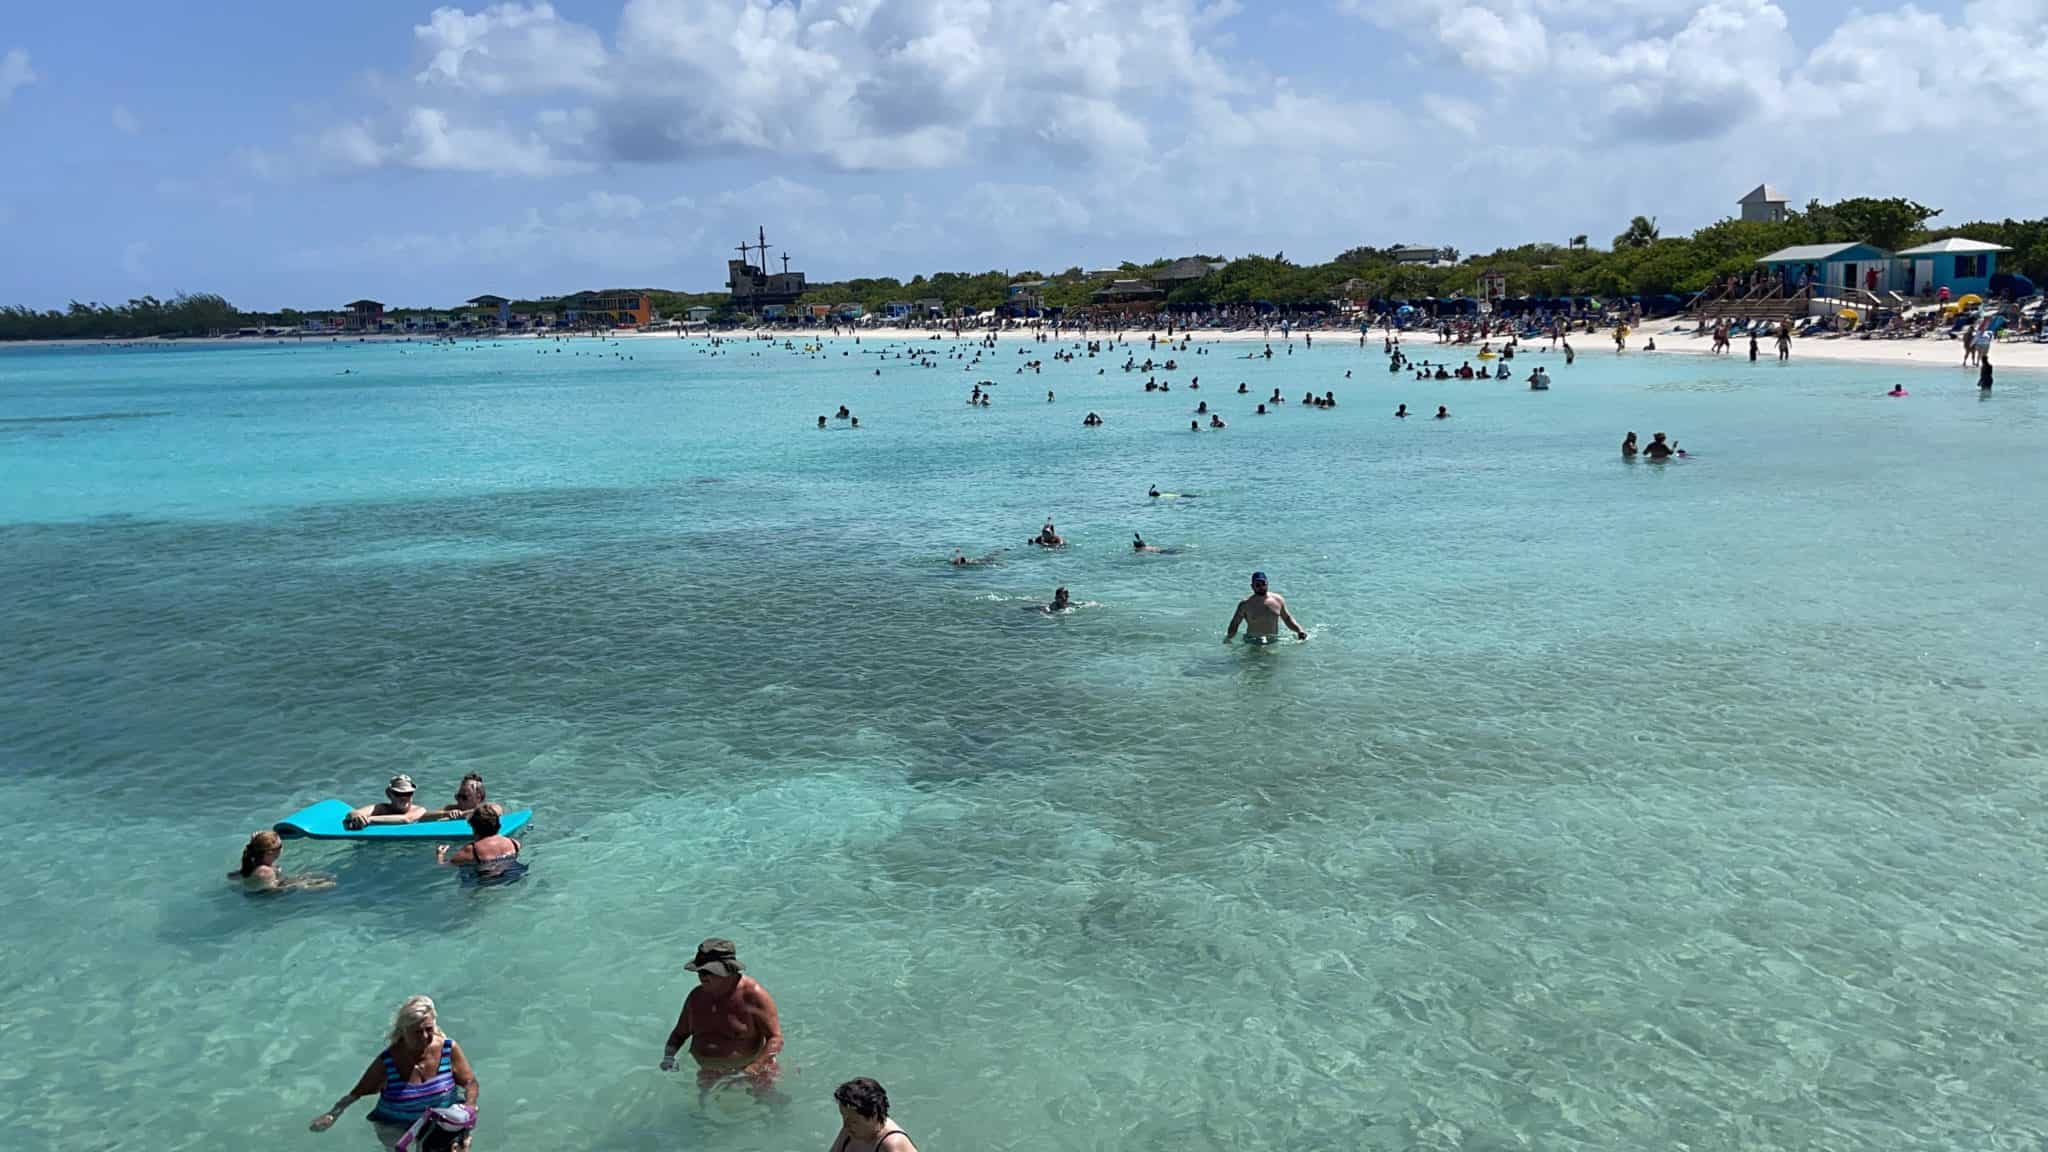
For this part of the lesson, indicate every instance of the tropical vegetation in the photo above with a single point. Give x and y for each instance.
(1640, 261)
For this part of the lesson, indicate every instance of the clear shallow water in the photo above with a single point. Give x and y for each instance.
(1610, 806)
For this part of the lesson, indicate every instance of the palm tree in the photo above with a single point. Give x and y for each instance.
(1447, 254)
(1579, 241)
(1642, 232)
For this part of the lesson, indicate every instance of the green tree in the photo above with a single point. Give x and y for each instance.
(1642, 232)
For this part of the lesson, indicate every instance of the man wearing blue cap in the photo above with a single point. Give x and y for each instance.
(1262, 613)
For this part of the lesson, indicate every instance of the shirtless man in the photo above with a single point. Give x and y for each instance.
(1262, 613)
(728, 1019)
(397, 807)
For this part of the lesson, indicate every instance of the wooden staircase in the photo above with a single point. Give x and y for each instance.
(1763, 303)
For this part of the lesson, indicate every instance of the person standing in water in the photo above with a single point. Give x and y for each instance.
(728, 1020)
(1261, 614)
(864, 1123)
(420, 1070)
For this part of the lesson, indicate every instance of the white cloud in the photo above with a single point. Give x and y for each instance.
(857, 84)
(1460, 116)
(509, 48)
(1147, 125)
(433, 142)
(125, 121)
(14, 73)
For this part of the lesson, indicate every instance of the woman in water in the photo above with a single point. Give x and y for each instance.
(259, 873)
(420, 1069)
(1628, 446)
(469, 795)
(864, 1124)
(494, 857)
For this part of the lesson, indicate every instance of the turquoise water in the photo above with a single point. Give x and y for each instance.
(1610, 806)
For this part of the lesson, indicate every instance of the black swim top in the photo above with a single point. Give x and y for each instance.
(839, 1145)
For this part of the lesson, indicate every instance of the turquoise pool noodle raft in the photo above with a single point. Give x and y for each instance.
(322, 821)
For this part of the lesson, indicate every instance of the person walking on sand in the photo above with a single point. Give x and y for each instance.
(1261, 614)
(728, 1020)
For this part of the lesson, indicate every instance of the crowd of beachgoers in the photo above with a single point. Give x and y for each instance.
(425, 1090)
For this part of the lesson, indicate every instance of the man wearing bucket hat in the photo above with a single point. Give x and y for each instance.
(397, 807)
(1261, 613)
(728, 1020)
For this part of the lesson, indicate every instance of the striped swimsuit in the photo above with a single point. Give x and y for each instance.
(401, 1103)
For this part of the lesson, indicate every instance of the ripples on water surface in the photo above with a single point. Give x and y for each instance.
(1610, 807)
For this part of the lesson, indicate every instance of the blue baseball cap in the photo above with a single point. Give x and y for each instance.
(1258, 577)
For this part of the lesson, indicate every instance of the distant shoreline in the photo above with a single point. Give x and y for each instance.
(1919, 352)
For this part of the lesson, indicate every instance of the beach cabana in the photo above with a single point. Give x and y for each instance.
(1830, 266)
(1958, 264)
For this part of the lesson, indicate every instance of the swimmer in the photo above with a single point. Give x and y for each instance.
(397, 807)
(1047, 538)
(1402, 411)
(1657, 449)
(259, 873)
(1443, 413)
(1262, 410)
(1628, 447)
(1061, 602)
(1261, 614)
(963, 560)
(1217, 422)
(1898, 390)
(1194, 426)
(856, 421)
(821, 423)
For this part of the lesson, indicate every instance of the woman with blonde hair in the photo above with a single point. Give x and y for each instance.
(416, 1080)
(259, 873)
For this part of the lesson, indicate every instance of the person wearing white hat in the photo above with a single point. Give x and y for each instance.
(397, 807)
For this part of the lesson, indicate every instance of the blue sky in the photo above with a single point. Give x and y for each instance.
(421, 154)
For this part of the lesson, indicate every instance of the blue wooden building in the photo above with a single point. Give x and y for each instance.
(1829, 267)
(1960, 265)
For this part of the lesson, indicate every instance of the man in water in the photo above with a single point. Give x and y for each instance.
(1060, 601)
(397, 807)
(728, 1020)
(1657, 448)
(1262, 613)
